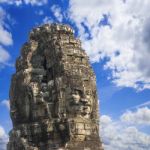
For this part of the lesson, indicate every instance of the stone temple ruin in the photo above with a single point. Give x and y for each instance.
(53, 95)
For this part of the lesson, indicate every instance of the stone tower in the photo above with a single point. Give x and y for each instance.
(53, 95)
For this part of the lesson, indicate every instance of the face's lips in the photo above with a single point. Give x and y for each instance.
(84, 100)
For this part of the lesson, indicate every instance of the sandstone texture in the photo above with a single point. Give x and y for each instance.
(53, 97)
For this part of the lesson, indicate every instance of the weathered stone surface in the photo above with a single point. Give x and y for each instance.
(53, 95)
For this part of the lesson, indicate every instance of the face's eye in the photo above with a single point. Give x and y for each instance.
(75, 92)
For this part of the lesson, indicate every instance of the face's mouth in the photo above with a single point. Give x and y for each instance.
(86, 109)
(84, 100)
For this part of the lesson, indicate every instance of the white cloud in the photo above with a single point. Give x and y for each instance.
(2, 14)
(47, 20)
(35, 2)
(105, 120)
(118, 136)
(5, 103)
(124, 40)
(4, 55)
(57, 13)
(3, 138)
(2, 132)
(20, 2)
(6, 37)
(140, 116)
(16, 2)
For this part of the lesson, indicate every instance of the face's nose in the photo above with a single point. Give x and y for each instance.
(83, 95)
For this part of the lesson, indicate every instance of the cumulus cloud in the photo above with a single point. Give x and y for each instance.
(3, 138)
(35, 2)
(140, 116)
(58, 15)
(5, 39)
(56, 10)
(16, 2)
(20, 2)
(4, 55)
(105, 120)
(119, 31)
(47, 20)
(118, 136)
(5, 103)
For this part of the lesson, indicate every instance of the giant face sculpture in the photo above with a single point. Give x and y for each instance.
(80, 102)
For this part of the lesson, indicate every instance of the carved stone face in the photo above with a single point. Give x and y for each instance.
(80, 103)
(35, 89)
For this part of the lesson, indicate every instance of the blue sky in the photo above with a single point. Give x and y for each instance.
(116, 37)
